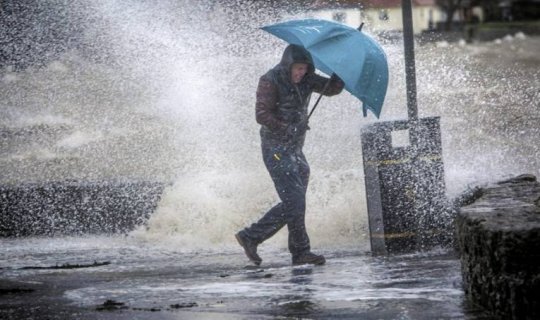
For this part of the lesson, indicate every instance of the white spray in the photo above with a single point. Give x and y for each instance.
(166, 92)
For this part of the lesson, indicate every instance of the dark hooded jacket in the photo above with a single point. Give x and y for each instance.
(281, 103)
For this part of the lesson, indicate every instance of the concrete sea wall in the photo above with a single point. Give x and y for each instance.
(499, 242)
(74, 207)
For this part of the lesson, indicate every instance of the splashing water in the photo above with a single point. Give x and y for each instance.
(166, 92)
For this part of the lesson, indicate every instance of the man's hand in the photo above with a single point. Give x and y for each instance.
(337, 80)
(297, 129)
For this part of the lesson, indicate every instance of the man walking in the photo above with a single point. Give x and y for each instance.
(283, 96)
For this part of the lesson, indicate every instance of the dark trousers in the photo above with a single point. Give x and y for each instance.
(290, 172)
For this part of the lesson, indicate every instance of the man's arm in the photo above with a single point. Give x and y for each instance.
(266, 106)
(334, 87)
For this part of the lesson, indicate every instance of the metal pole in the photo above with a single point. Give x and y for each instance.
(410, 69)
(412, 110)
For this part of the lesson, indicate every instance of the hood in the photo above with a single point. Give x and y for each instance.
(296, 54)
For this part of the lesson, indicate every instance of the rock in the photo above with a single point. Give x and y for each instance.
(499, 243)
(111, 305)
(184, 305)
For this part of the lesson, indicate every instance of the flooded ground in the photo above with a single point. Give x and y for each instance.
(140, 281)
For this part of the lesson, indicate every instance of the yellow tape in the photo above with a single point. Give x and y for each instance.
(393, 235)
(401, 161)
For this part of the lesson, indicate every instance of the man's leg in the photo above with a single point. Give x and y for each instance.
(283, 168)
(301, 254)
(290, 173)
(267, 226)
(276, 218)
(298, 237)
(289, 182)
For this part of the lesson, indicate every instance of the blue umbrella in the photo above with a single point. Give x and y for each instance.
(336, 48)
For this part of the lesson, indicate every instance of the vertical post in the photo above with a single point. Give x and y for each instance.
(412, 108)
(410, 69)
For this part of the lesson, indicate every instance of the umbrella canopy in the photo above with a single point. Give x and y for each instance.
(336, 48)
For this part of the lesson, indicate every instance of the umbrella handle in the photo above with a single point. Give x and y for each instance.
(320, 96)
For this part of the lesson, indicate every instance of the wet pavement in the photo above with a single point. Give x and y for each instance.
(117, 279)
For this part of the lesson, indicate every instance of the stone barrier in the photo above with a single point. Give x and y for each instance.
(74, 207)
(499, 243)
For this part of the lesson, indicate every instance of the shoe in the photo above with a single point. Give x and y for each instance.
(309, 258)
(249, 248)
